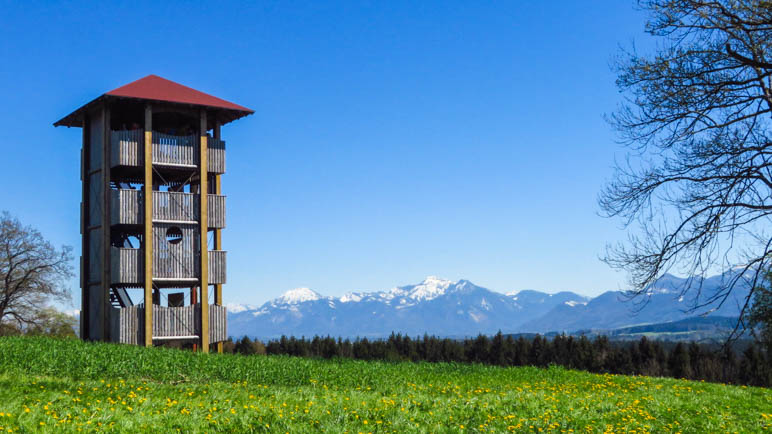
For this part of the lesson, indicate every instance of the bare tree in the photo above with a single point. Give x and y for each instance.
(32, 272)
(697, 183)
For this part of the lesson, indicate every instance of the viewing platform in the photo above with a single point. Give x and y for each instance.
(169, 324)
(171, 267)
(176, 152)
(126, 207)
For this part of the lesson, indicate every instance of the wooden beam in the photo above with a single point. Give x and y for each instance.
(106, 226)
(217, 234)
(148, 229)
(204, 234)
(85, 163)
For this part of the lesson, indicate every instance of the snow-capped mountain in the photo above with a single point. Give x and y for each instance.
(434, 306)
(297, 295)
(664, 303)
(446, 308)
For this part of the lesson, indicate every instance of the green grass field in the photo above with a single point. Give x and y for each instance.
(48, 384)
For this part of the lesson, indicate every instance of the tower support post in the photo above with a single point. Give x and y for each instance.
(85, 210)
(106, 229)
(218, 233)
(148, 227)
(204, 235)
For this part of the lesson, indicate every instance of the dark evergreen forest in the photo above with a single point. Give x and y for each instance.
(742, 363)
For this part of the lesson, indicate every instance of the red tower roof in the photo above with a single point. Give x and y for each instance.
(155, 88)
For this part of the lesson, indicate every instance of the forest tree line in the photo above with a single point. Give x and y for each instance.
(750, 366)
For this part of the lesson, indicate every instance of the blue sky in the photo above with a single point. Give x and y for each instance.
(390, 140)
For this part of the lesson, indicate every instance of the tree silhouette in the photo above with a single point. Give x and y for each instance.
(698, 182)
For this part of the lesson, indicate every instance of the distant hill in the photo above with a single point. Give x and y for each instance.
(700, 329)
(662, 304)
(445, 308)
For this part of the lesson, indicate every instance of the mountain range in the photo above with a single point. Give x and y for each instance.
(446, 308)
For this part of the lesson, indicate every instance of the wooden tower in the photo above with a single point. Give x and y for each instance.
(152, 214)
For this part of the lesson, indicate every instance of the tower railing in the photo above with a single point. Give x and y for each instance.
(216, 155)
(169, 323)
(126, 207)
(217, 271)
(127, 268)
(216, 211)
(173, 206)
(172, 150)
(127, 147)
(168, 206)
(168, 150)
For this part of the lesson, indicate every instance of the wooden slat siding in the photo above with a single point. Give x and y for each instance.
(217, 267)
(126, 148)
(167, 150)
(216, 211)
(218, 331)
(126, 267)
(136, 319)
(174, 150)
(131, 325)
(174, 321)
(175, 261)
(216, 155)
(175, 206)
(169, 322)
(126, 207)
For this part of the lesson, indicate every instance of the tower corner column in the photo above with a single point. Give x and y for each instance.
(148, 226)
(204, 235)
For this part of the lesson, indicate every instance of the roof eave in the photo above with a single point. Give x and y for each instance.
(75, 119)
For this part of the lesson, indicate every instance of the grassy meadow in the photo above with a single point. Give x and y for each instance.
(67, 385)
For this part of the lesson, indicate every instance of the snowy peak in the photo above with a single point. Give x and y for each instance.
(351, 297)
(432, 287)
(236, 308)
(298, 295)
